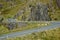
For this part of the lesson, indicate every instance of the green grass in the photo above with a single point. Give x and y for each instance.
(3, 29)
(12, 11)
(8, 3)
(45, 35)
(55, 16)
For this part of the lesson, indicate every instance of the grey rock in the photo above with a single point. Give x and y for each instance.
(58, 3)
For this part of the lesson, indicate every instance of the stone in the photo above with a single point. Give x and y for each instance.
(1, 6)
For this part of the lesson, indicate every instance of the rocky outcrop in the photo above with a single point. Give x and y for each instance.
(58, 3)
(39, 13)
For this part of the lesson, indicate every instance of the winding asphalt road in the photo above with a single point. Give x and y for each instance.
(25, 32)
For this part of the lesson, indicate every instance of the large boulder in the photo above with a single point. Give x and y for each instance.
(39, 12)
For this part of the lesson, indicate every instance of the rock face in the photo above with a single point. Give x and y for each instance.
(58, 3)
(12, 23)
(1, 6)
(11, 26)
(39, 13)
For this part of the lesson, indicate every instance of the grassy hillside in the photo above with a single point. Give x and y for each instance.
(53, 11)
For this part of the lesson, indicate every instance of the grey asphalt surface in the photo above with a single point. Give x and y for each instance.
(25, 32)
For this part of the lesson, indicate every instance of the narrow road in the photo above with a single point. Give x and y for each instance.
(25, 32)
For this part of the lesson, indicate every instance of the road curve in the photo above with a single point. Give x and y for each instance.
(25, 32)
